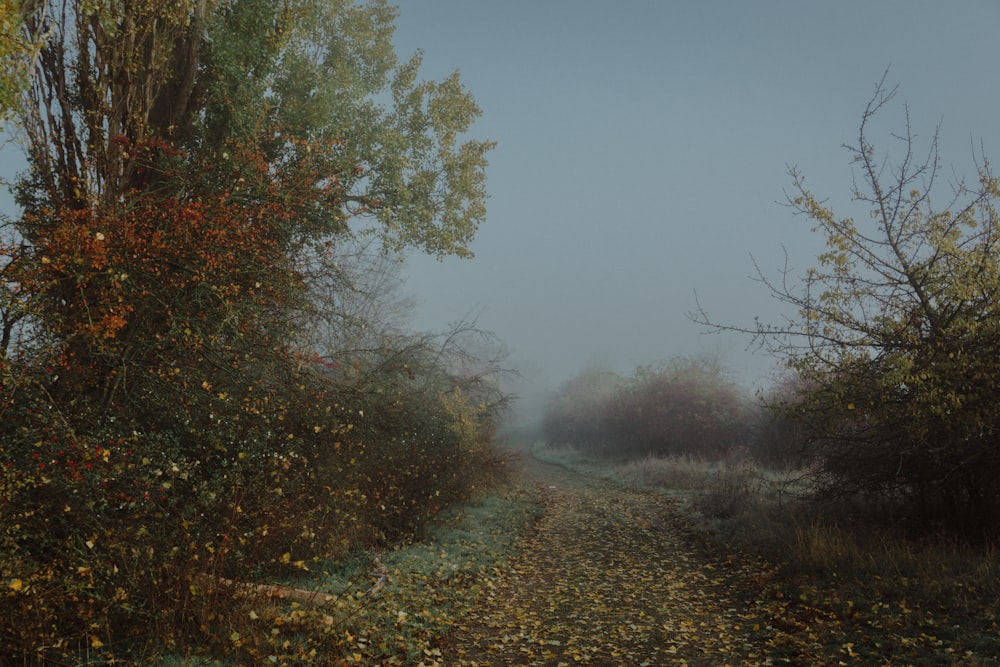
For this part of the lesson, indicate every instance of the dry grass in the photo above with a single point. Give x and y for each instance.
(937, 567)
(676, 474)
(820, 538)
(872, 582)
(850, 581)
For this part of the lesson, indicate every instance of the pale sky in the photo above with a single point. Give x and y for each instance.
(643, 148)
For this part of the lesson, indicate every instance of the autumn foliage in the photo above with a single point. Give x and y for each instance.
(159, 425)
(166, 420)
(894, 343)
(140, 294)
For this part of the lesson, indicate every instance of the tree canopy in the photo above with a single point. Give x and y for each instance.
(17, 54)
(681, 407)
(193, 163)
(310, 87)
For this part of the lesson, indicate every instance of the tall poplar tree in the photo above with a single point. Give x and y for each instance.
(192, 161)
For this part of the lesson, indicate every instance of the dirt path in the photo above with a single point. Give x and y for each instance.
(608, 578)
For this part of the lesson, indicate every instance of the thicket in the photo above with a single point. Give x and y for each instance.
(894, 345)
(678, 408)
(179, 401)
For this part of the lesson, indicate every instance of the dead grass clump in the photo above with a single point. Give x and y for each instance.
(714, 489)
(729, 489)
(675, 473)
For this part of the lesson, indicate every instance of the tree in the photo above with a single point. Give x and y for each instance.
(195, 170)
(580, 413)
(254, 124)
(310, 85)
(687, 406)
(17, 54)
(680, 407)
(896, 333)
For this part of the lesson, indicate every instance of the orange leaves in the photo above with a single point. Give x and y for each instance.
(71, 244)
(170, 277)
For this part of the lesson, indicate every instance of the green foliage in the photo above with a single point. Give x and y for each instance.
(305, 86)
(17, 54)
(322, 83)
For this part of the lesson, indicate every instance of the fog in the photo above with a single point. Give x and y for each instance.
(643, 150)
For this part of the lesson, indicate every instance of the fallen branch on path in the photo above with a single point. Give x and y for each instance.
(380, 574)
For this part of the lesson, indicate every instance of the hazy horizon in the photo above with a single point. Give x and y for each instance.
(643, 150)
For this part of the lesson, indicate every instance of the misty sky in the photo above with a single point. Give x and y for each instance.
(643, 148)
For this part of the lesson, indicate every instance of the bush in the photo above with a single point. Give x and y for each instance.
(895, 335)
(683, 407)
(111, 530)
(581, 412)
(780, 441)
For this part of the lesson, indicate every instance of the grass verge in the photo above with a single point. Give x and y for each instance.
(428, 585)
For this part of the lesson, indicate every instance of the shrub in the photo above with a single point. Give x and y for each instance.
(683, 407)
(895, 331)
(780, 441)
(108, 527)
(581, 412)
(162, 421)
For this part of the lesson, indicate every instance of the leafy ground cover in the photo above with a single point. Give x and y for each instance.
(610, 576)
(563, 568)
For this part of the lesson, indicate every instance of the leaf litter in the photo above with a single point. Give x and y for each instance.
(610, 576)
